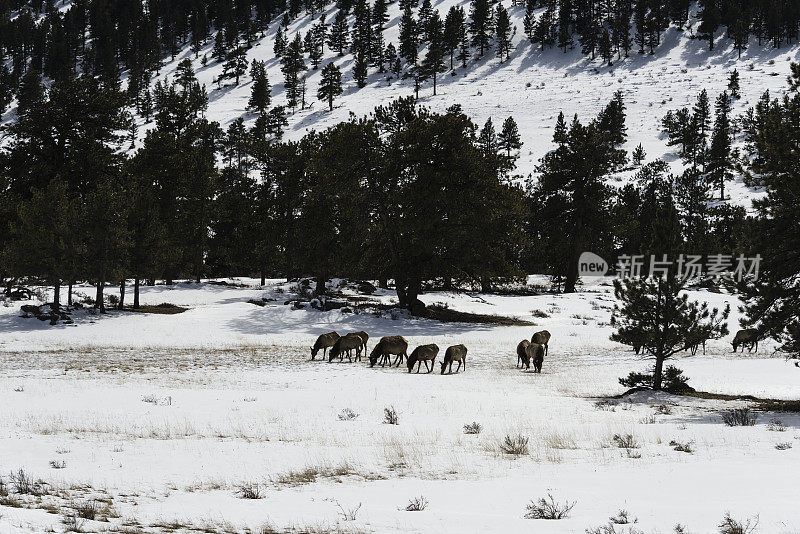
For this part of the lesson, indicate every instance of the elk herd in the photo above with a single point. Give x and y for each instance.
(385, 349)
(388, 348)
(335, 346)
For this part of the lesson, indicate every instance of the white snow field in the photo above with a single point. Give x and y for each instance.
(160, 423)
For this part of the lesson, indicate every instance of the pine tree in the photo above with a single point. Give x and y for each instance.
(339, 36)
(701, 121)
(638, 155)
(236, 65)
(509, 141)
(280, 42)
(423, 21)
(434, 59)
(709, 20)
(733, 84)
(293, 66)
(720, 163)
(219, 51)
(564, 25)
(529, 20)
(360, 68)
(454, 31)
(654, 315)
(330, 85)
(503, 32)
(260, 97)
(480, 25)
(393, 60)
(408, 37)
(380, 17)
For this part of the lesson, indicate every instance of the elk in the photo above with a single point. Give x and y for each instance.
(456, 353)
(541, 337)
(364, 337)
(522, 354)
(747, 337)
(423, 353)
(324, 342)
(346, 344)
(527, 351)
(387, 346)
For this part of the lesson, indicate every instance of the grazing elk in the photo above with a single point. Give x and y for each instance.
(748, 338)
(457, 353)
(364, 337)
(346, 344)
(522, 354)
(423, 353)
(386, 347)
(324, 342)
(541, 337)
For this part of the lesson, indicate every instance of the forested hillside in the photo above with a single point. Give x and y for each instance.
(455, 144)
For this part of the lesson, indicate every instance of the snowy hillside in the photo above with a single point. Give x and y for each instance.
(533, 86)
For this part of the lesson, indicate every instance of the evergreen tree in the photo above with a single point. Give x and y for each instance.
(219, 51)
(720, 162)
(434, 59)
(260, 97)
(509, 140)
(330, 85)
(709, 20)
(380, 16)
(408, 36)
(236, 65)
(293, 66)
(480, 25)
(339, 36)
(504, 33)
(280, 42)
(733, 84)
(638, 155)
(656, 316)
(423, 21)
(454, 31)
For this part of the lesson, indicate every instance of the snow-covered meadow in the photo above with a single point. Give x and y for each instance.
(163, 422)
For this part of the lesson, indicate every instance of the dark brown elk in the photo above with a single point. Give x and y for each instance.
(522, 354)
(541, 337)
(456, 353)
(346, 345)
(324, 342)
(386, 347)
(364, 337)
(423, 353)
(746, 338)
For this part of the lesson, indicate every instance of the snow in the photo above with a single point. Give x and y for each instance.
(167, 415)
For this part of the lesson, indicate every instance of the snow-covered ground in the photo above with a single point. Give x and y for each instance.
(165, 418)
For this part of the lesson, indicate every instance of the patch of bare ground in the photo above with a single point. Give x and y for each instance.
(760, 403)
(165, 308)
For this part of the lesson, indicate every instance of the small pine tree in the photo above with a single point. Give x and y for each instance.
(655, 315)
(504, 33)
(638, 155)
(509, 139)
(733, 84)
(260, 97)
(331, 84)
(280, 43)
(360, 66)
(339, 35)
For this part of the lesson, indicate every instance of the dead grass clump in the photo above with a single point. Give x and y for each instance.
(347, 415)
(72, 521)
(776, 425)
(86, 509)
(55, 464)
(249, 490)
(23, 484)
(514, 445)
(548, 508)
(390, 416)
(606, 405)
(682, 447)
(348, 514)
(472, 428)
(417, 504)
(728, 525)
(786, 445)
(739, 417)
(310, 474)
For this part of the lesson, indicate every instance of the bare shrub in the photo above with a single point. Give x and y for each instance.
(682, 447)
(626, 441)
(623, 518)
(25, 485)
(729, 525)
(516, 445)
(55, 464)
(349, 514)
(548, 508)
(606, 405)
(417, 504)
(72, 521)
(347, 415)
(663, 409)
(783, 446)
(249, 490)
(473, 428)
(540, 314)
(648, 419)
(739, 417)
(776, 425)
(86, 509)
(390, 416)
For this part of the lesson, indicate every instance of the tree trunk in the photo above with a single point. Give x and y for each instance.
(98, 299)
(69, 294)
(56, 295)
(572, 266)
(121, 294)
(486, 284)
(263, 277)
(658, 373)
(136, 293)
